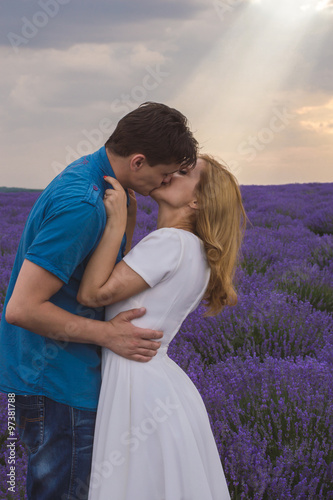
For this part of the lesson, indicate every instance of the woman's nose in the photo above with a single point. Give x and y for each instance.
(167, 179)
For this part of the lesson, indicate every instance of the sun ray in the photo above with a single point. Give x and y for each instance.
(253, 60)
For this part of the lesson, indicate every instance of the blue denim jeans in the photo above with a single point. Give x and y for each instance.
(59, 440)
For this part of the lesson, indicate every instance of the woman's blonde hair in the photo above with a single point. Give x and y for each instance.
(220, 223)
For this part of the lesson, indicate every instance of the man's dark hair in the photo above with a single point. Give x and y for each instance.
(156, 131)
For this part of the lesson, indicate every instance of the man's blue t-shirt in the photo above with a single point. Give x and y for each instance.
(62, 231)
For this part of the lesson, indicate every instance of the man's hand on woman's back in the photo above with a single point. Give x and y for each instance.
(30, 308)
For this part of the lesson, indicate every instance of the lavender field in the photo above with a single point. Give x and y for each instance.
(263, 367)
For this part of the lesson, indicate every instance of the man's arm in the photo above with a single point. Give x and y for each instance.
(29, 308)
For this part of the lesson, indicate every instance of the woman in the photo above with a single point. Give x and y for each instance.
(153, 440)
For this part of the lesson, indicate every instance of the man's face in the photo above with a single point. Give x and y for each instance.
(147, 178)
(181, 191)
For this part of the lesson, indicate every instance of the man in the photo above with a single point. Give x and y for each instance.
(50, 345)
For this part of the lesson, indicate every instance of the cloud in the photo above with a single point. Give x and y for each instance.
(84, 21)
(313, 68)
(318, 118)
(95, 61)
(82, 75)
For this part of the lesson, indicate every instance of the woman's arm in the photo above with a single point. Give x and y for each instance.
(102, 261)
(122, 284)
(98, 286)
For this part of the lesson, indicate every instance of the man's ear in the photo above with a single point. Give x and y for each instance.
(194, 204)
(137, 161)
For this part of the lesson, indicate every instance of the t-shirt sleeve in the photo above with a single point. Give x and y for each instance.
(65, 238)
(156, 256)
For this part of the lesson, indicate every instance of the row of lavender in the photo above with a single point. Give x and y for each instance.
(14, 209)
(263, 367)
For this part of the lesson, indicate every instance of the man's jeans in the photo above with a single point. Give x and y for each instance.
(59, 440)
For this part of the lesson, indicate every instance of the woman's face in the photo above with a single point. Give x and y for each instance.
(180, 191)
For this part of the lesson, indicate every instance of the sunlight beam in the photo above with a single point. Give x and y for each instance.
(244, 79)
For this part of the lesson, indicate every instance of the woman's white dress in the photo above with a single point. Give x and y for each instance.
(153, 439)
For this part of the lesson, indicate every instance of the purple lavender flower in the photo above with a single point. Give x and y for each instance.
(263, 367)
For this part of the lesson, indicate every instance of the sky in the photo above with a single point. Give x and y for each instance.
(253, 77)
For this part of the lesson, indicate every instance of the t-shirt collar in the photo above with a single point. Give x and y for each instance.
(107, 168)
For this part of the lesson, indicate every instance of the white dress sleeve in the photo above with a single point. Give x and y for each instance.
(157, 256)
